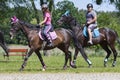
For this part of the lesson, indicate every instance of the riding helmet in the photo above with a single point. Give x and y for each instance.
(89, 5)
(44, 6)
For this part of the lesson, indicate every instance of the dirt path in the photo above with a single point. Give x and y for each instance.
(61, 76)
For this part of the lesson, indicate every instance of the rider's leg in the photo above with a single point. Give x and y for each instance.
(43, 35)
(90, 34)
(46, 32)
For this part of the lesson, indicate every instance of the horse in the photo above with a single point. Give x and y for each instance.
(106, 39)
(3, 44)
(35, 43)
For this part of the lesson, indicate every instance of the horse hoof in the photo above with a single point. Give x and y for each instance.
(65, 67)
(113, 65)
(43, 69)
(20, 69)
(73, 65)
(90, 66)
(105, 65)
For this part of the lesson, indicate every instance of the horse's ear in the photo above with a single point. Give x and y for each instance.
(67, 13)
(14, 19)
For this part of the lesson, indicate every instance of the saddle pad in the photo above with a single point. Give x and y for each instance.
(53, 35)
(95, 32)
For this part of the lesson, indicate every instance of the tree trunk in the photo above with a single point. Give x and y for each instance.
(36, 12)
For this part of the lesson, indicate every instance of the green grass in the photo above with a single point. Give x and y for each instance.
(55, 64)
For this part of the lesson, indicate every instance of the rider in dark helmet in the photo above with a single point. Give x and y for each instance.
(89, 5)
(91, 21)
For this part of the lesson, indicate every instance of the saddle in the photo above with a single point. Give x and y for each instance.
(95, 32)
(52, 34)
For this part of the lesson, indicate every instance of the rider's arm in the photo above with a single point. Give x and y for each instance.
(94, 19)
(45, 19)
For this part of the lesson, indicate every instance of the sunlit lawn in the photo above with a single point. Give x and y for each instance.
(55, 64)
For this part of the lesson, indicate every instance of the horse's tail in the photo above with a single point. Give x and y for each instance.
(117, 37)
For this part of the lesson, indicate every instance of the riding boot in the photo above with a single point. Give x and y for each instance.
(49, 43)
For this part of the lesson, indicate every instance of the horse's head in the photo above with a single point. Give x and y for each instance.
(14, 26)
(65, 18)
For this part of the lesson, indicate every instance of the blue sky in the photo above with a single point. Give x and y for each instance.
(81, 4)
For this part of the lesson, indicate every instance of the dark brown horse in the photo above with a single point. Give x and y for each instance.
(2, 44)
(106, 38)
(35, 43)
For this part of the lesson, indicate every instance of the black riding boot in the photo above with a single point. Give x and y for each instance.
(49, 43)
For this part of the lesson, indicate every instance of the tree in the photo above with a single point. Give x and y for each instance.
(114, 2)
(36, 11)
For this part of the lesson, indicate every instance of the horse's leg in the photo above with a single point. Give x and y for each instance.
(41, 59)
(26, 58)
(45, 53)
(81, 49)
(70, 60)
(105, 47)
(3, 45)
(84, 55)
(114, 54)
(5, 49)
(67, 55)
(75, 57)
(66, 60)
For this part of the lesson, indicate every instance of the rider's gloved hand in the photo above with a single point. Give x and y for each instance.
(37, 26)
(88, 23)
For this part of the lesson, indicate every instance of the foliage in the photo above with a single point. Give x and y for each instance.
(109, 19)
(113, 2)
(61, 8)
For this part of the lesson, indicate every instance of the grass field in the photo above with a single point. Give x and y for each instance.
(55, 63)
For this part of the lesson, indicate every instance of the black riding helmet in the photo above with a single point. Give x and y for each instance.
(89, 5)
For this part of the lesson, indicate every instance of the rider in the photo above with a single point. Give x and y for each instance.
(91, 21)
(47, 24)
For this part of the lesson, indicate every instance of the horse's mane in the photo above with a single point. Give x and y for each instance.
(29, 25)
(75, 22)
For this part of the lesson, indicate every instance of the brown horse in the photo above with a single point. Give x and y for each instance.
(106, 38)
(2, 44)
(35, 43)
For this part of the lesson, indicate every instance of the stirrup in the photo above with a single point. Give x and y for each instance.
(50, 44)
(43, 45)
